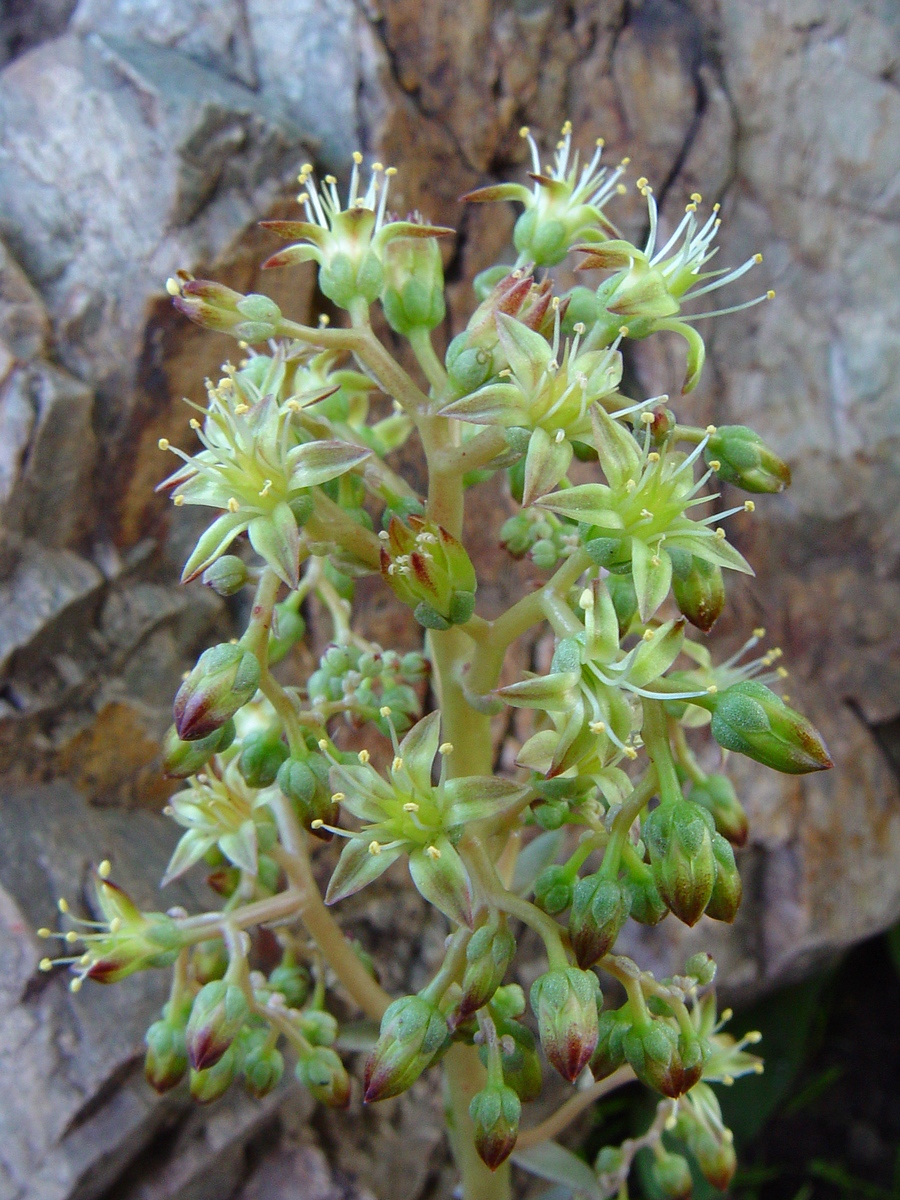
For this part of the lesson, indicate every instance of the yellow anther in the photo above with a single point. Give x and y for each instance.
(194, 423)
(759, 632)
(757, 258)
(753, 1037)
(163, 443)
(770, 294)
(579, 327)
(647, 635)
(324, 320)
(524, 131)
(597, 726)
(715, 464)
(621, 189)
(696, 197)
(357, 157)
(307, 169)
(44, 932)
(233, 505)
(600, 143)
(642, 182)
(586, 599)
(385, 710)
(559, 437)
(410, 806)
(317, 823)
(266, 488)
(374, 848)
(115, 925)
(625, 161)
(758, 1069)
(390, 172)
(445, 748)
(104, 869)
(728, 1080)
(630, 485)
(653, 456)
(623, 331)
(655, 560)
(691, 208)
(62, 904)
(331, 179)
(716, 207)
(302, 197)
(720, 534)
(173, 287)
(364, 756)
(397, 764)
(240, 409)
(322, 744)
(566, 128)
(749, 506)
(782, 672)
(71, 937)
(671, 1122)
(46, 964)
(711, 430)
(712, 689)
(630, 753)
(647, 418)
(337, 797)
(75, 985)
(433, 853)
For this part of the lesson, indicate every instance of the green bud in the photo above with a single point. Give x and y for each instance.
(468, 365)
(609, 1053)
(727, 890)
(428, 569)
(413, 1032)
(323, 1073)
(624, 598)
(288, 628)
(565, 1004)
(672, 1176)
(716, 793)
(182, 759)
(600, 908)
(652, 1052)
(609, 1161)
(413, 295)
(209, 1084)
(227, 575)
(224, 679)
(518, 1056)
(488, 955)
(612, 553)
(646, 906)
(319, 1027)
(702, 967)
(745, 460)
(165, 1063)
(750, 719)
(262, 754)
(263, 1064)
(554, 888)
(217, 1016)
(209, 960)
(293, 981)
(679, 837)
(252, 318)
(698, 587)
(495, 1113)
(715, 1157)
(305, 783)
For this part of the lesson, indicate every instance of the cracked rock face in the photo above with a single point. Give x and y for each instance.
(144, 135)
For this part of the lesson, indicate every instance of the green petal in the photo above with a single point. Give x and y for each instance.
(317, 462)
(546, 464)
(275, 538)
(418, 748)
(586, 502)
(651, 579)
(478, 797)
(443, 881)
(214, 543)
(619, 454)
(358, 867)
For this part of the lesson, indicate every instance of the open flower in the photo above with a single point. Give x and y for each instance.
(255, 465)
(639, 514)
(407, 814)
(346, 241)
(565, 204)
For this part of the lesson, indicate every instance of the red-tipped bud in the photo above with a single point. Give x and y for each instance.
(413, 1031)
(217, 1017)
(225, 678)
(495, 1113)
(565, 1003)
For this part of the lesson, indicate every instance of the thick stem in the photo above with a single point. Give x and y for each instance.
(572, 1108)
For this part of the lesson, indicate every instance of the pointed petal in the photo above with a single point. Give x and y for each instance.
(553, 693)
(586, 502)
(317, 462)
(189, 850)
(497, 191)
(213, 543)
(652, 571)
(527, 352)
(478, 797)
(546, 464)
(241, 847)
(418, 748)
(358, 867)
(292, 257)
(297, 231)
(276, 539)
(656, 654)
(619, 454)
(706, 545)
(494, 404)
(442, 879)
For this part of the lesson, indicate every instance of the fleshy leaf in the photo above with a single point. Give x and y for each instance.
(652, 570)
(439, 875)
(357, 867)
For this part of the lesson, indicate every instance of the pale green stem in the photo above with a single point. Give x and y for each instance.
(623, 821)
(256, 640)
(432, 367)
(684, 753)
(655, 732)
(463, 1077)
(573, 1108)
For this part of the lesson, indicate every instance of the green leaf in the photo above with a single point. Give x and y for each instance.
(276, 539)
(443, 880)
(214, 542)
(550, 1161)
(652, 580)
(546, 464)
(314, 463)
(358, 867)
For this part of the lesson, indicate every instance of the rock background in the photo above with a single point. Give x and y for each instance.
(143, 135)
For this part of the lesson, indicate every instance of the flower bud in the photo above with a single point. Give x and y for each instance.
(600, 908)
(429, 570)
(672, 1177)
(727, 890)
(217, 1016)
(554, 887)
(262, 754)
(214, 1082)
(227, 575)
(609, 1161)
(646, 906)
(745, 460)
(209, 960)
(698, 587)
(288, 628)
(165, 1063)
(624, 598)
(715, 1157)
(652, 1052)
(490, 951)
(495, 1113)
(565, 1004)
(263, 1064)
(702, 966)
(319, 1027)
(182, 759)
(413, 1031)
(750, 719)
(305, 783)
(716, 793)
(253, 318)
(293, 981)
(323, 1073)
(225, 678)
(609, 1053)
(679, 837)
(413, 295)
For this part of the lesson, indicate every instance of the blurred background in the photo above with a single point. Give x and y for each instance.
(142, 136)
